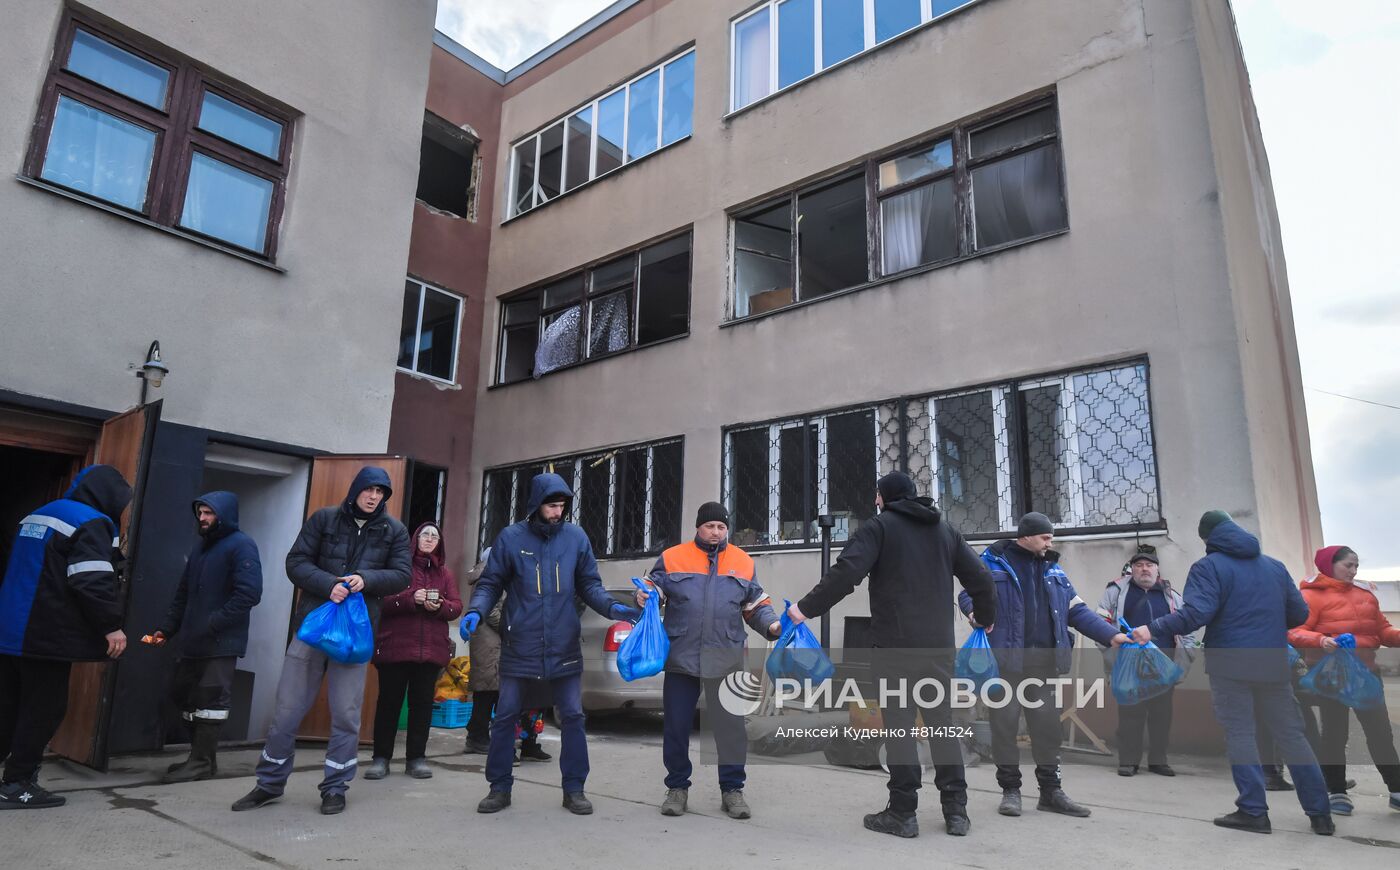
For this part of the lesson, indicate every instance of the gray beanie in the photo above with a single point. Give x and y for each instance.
(1035, 523)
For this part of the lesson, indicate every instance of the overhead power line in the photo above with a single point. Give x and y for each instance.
(1355, 399)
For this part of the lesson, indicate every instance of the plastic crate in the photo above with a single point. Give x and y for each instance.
(451, 714)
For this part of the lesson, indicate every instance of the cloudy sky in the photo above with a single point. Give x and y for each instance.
(1321, 79)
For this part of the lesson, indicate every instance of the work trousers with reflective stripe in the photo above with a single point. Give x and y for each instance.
(302, 672)
(203, 688)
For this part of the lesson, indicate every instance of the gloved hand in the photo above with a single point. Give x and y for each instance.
(1346, 641)
(628, 614)
(469, 624)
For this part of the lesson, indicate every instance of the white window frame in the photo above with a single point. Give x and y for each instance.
(536, 201)
(926, 17)
(423, 288)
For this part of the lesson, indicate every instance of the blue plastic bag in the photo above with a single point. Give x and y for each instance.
(976, 661)
(643, 652)
(1142, 672)
(798, 654)
(341, 631)
(1343, 677)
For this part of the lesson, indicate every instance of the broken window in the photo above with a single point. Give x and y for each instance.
(918, 208)
(428, 331)
(1017, 189)
(445, 167)
(614, 314)
(763, 278)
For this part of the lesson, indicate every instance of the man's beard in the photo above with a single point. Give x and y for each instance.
(206, 529)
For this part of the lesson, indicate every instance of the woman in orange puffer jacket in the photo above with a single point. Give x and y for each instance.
(1337, 604)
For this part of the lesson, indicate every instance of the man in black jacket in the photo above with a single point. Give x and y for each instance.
(355, 546)
(60, 602)
(911, 555)
(221, 583)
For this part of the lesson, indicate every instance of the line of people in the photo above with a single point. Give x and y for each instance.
(60, 604)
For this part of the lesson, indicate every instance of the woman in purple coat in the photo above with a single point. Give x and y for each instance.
(411, 649)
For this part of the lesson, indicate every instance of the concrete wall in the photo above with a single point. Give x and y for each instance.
(432, 422)
(1146, 268)
(300, 356)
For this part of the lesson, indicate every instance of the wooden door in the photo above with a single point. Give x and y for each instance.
(125, 444)
(331, 477)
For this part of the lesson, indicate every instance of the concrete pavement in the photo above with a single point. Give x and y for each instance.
(805, 815)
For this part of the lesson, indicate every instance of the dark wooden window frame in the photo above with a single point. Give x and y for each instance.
(961, 172)
(588, 294)
(177, 136)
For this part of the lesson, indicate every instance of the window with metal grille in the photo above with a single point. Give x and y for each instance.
(1076, 446)
(627, 499)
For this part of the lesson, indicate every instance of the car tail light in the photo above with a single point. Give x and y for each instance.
(617, 633)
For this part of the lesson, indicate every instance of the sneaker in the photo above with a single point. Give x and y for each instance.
(1161, 769)
(1010, 802)
(494, 802)
(332, 804)
(378, 768)
(28, 796)
(1395, 800)
(476, 747)
(1341, 804)
(1277, 782)
(577, 803)
(1127, 769)
(734, 805)
(674, 804)
(1056, 801)
(887, 821)
(254, 799)
(1323, 826)
(418, 768)
(531, 751)
(957, 826)
(1242, 821)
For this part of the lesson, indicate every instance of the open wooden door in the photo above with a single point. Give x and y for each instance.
(125, 444)
(330, 481)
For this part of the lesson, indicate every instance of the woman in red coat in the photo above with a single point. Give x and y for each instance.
(411, 649)
(1337, 604)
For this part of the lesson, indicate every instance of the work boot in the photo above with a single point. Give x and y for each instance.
(1323, 826)
(378, 768)
(1056, 801)
(476, 747)
(1127, 769)
(203, 761)
(1340, 803)
(1275, 781)
(577, 803)
(28, 796)
(531, 751)
(494, 802)
(418, 768)
(332, 804)
(957, 826)
(887, 821)
(674, 804)
(254, 799)
(1010, 802)
(1161, 769)
(1242, 821)
(734, 805)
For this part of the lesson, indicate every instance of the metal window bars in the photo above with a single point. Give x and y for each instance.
(1076, 446)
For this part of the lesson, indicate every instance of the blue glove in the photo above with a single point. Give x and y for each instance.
(1346, 641)
(469, 624)
(623, 612)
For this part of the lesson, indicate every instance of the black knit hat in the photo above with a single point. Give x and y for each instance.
(1034, 523)
(711, 512)
(1209, 520)
(895, 486)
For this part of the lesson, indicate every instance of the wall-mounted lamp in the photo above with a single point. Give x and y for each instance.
(153, 371)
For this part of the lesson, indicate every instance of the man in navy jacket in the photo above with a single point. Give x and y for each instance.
(221, 584)
(542, 563)
(1247, 602)
(1036, 608)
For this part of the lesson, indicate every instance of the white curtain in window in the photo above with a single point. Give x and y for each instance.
(906, 220)
(751, 59)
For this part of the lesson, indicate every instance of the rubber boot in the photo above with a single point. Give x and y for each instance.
(203, 762)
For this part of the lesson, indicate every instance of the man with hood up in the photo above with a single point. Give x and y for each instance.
(60, 602)
(355, 546)
(911, 555)
(542, 563)
(221, 584)
(1247, 603)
